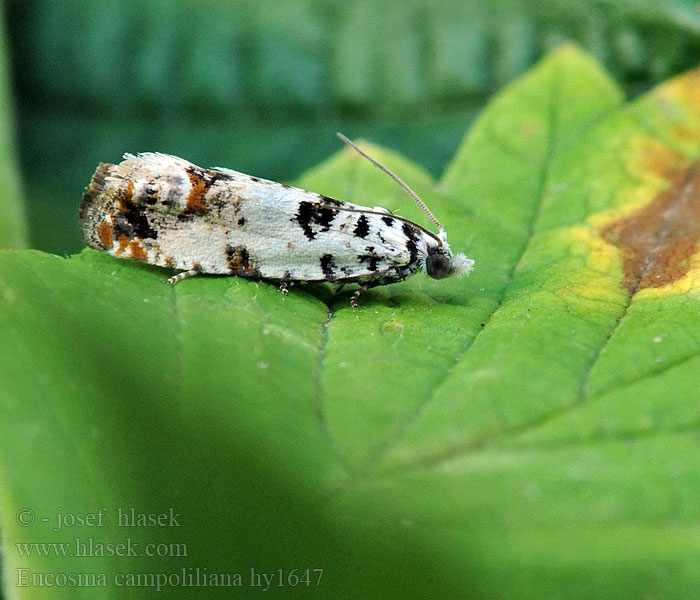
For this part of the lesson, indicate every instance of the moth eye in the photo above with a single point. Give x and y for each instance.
(438, 266)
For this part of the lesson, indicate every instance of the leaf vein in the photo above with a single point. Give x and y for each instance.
(549, 154)
(318, 392)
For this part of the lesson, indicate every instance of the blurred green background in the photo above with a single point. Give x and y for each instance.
(263, 85)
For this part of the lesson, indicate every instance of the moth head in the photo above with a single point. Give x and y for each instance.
(440, 263)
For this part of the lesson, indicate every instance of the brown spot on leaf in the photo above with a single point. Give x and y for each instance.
(104, 234)
(662, 161)
(658, 240)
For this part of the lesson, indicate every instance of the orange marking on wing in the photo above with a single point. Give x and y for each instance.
(123, 241)
(125, 196)
(104, 234)
(137, 252)
(195, 200)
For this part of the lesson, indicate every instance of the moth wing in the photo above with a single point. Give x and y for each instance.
(275, 231)
(304, 236)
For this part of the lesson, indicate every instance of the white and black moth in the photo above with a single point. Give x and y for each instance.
(165, 211)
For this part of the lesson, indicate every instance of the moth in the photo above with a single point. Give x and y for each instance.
(166, 211)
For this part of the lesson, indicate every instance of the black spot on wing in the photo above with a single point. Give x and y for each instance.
(388, 221)
(151, 195)
(370, 259)
(408, 231)
(133, 222)
(413, 250)
(328, 266)
(328, 200)
(311, 215)
(238, 262)
(411, 239)
(362, 227)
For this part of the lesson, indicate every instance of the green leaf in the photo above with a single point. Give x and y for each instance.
(13, 232)
(530, 431)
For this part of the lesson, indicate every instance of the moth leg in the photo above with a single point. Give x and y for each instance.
(284, 288)
(196, 270)
(356, 295)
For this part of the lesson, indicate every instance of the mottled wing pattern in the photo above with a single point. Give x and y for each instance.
(166, 211)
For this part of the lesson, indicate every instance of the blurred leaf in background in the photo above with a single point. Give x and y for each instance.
(13, 230)
(262, 85)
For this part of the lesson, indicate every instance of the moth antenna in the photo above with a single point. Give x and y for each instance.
(396, 178)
